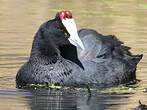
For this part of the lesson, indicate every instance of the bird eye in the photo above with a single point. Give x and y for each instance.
(60, 29)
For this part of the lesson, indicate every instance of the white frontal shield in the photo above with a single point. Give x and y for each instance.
(72, 30)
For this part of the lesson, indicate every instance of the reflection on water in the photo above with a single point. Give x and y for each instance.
(20, 19)
(72, 100)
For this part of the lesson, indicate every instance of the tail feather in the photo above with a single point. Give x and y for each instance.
(121, 50)
(136, 58)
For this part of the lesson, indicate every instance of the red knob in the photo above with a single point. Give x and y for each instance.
(68, 14)
(62, 15)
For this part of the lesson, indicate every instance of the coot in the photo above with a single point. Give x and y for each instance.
(62, 56)
(141, 106)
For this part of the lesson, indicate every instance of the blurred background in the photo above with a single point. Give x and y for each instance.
(20, 20)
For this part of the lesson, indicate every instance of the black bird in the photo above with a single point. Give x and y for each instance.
(62, 56)
(141, 106)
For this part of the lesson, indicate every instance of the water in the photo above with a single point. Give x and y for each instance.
(19, 21)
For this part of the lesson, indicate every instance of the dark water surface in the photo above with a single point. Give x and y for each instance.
(19, 21)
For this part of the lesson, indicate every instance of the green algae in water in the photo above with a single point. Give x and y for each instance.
(91, 12)
(144, 6)
(59, 9)
(122, 90)
(129, 88)
(39, 86)
(111, 4)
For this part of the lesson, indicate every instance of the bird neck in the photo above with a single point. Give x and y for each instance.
(45, 52)
(69, 52)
